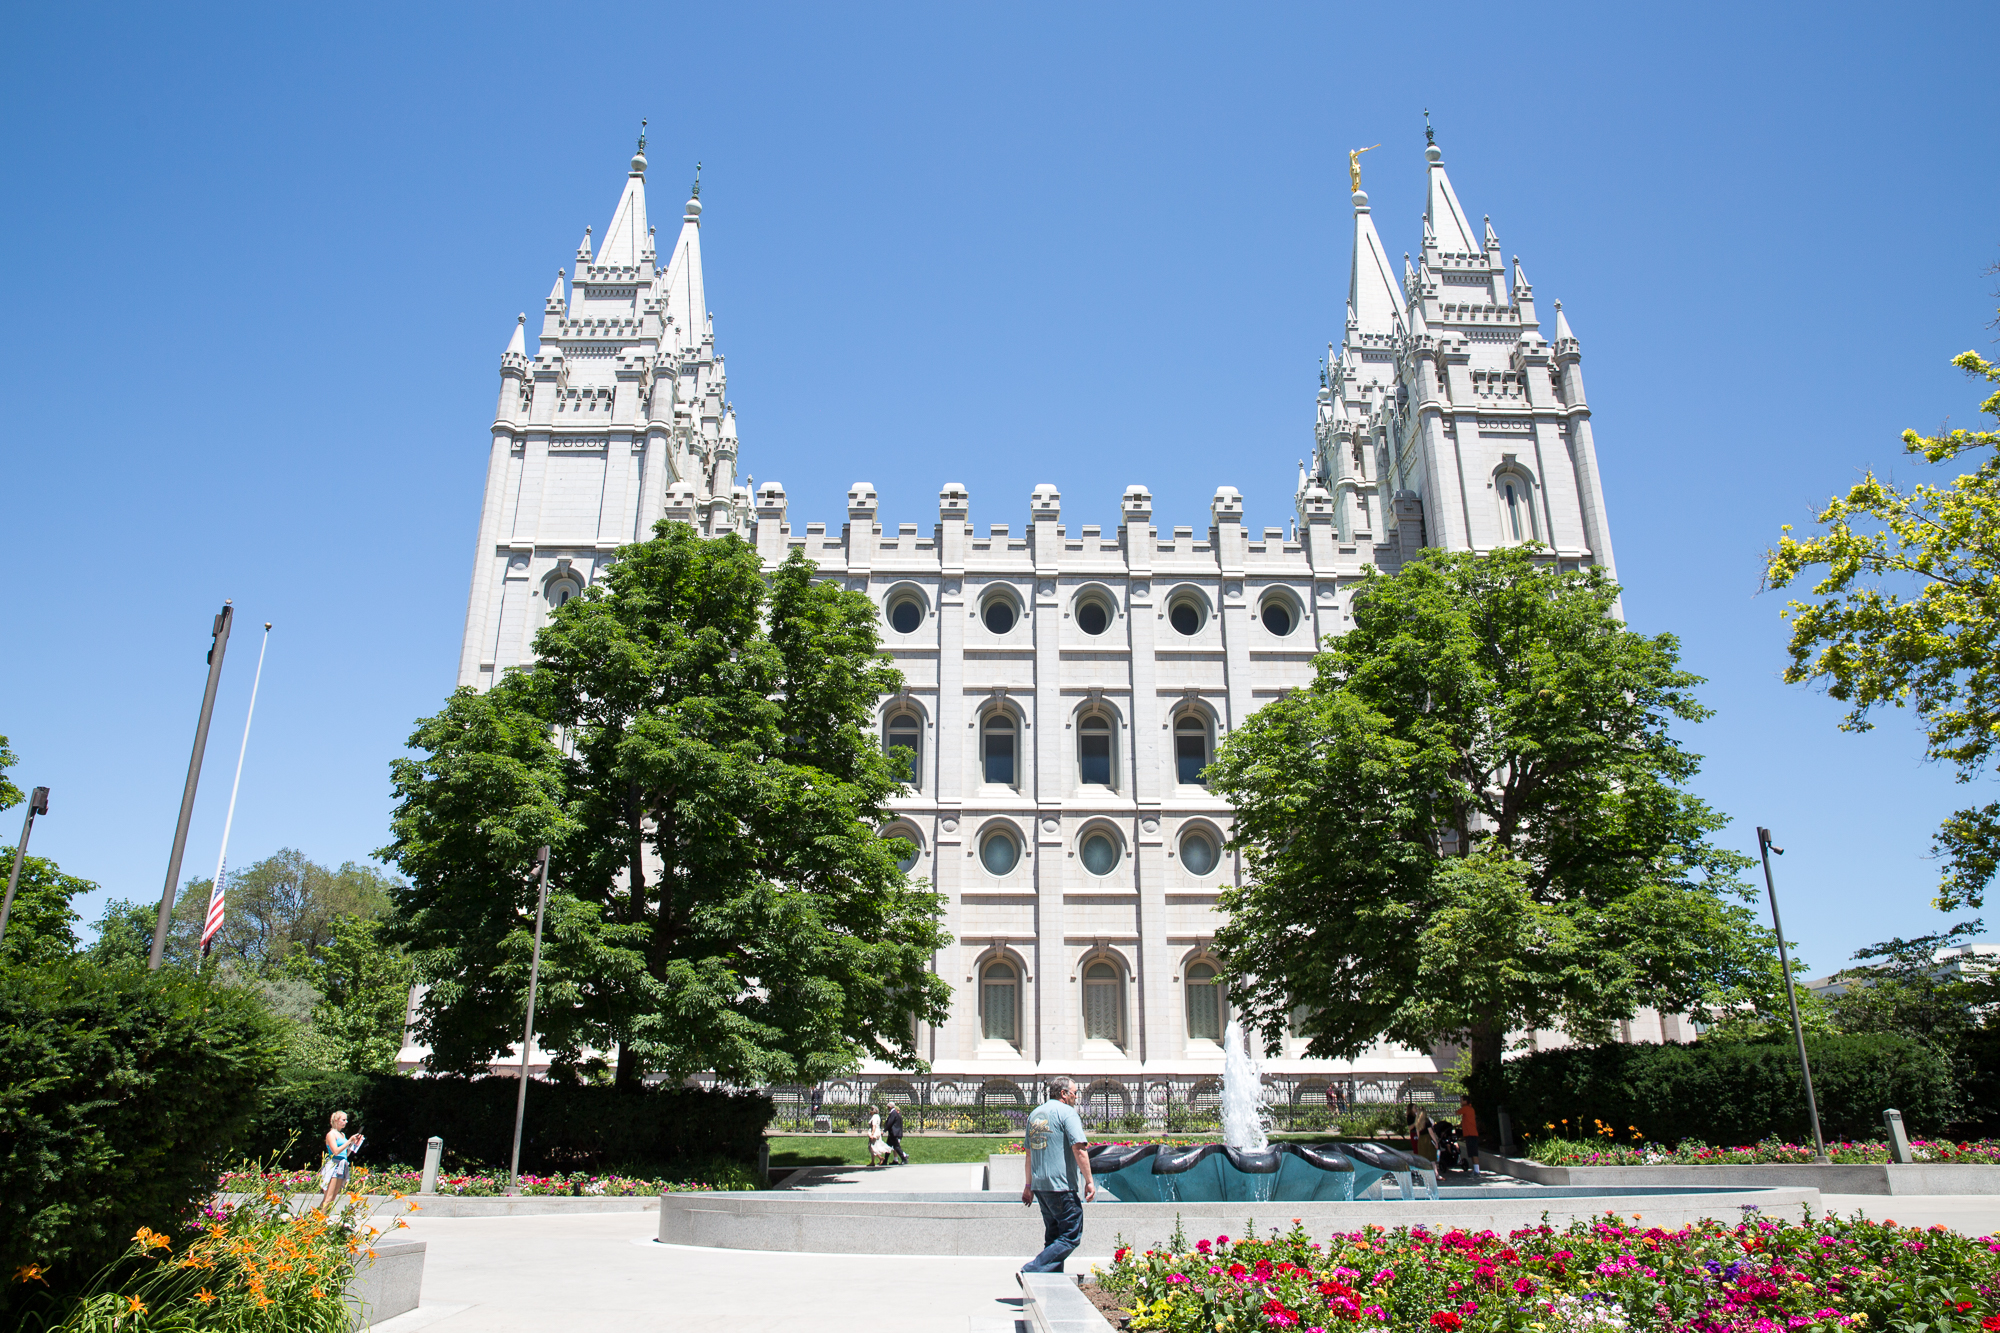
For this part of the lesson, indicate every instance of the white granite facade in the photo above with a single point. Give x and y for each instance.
(1065, 683)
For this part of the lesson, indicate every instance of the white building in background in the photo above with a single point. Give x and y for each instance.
(1066, 681)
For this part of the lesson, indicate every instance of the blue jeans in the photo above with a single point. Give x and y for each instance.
(1062, 1230)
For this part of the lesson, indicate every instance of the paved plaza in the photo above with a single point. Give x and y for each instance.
(607, 1271)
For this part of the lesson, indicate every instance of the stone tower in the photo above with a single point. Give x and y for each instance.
(1446, 419)
(619, 420)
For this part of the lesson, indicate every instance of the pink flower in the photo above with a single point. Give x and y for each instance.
(1374, 1312)
(1386, 1275)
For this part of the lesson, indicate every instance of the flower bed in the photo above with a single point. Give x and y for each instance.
(1555, 1151)
(400, 1180)
(251, 1266)
(1607, 1276)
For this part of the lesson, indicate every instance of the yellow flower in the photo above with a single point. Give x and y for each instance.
(30, 1273)
(149, 1239)
(137, 1306)
(318, 1294)
(204, 1295)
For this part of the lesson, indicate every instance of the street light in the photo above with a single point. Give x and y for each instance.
(1765, 847)
(528, 1034)
(38, 804)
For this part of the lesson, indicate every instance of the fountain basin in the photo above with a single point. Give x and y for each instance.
(1220, 1173)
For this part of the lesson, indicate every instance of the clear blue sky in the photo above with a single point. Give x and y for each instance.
(262, 262)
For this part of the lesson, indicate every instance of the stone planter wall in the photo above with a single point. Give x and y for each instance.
(1837, 1178)
(387, 1285)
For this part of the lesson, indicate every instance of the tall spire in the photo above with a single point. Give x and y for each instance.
(1562, 325)
(686, 301)
(1442, 215)
(1373, 299)
(518, 345)
(627, 235)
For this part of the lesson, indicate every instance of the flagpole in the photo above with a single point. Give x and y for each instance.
(216, 894)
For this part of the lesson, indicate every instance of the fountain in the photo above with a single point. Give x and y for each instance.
(1245, 1167)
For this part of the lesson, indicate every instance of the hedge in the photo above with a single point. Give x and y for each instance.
(568, 1128)
(1725, 1092)
(123, 1093)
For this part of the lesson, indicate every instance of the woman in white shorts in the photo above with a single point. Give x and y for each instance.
(333, 1176)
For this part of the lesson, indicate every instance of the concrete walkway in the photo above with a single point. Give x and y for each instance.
(535, 1274)
(916, 1178)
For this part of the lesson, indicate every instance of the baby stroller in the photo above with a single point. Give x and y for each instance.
(1451, 1148)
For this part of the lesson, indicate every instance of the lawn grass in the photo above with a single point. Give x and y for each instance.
(852, 1149)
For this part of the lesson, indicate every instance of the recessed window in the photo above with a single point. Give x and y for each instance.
(1186, 614)
(906, 614)
(1093, 613)
(561, 591)
(904, 731)
(999, 853)
(1190, 749)
(908, 854)
(1198, 852)
(998, 613)
(997, 748)
(1103, 1003)
(1100, 853)
(999, 1001)
(1517, 507)
(1093, 751)
(1204, 1003)
(1278, 616)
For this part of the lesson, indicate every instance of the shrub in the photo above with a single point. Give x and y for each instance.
(1724, 1091)
(568, 1128)
(123, 1093)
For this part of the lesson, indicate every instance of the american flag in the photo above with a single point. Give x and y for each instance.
(215, 901)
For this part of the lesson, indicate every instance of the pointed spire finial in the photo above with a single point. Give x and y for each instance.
(642, 136)
(1430, 135)
(696, 192)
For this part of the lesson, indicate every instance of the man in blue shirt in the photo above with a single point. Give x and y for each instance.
(1058, 1158)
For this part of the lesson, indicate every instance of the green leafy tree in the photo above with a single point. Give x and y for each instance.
(10, 795)
(695, 743)
(125, 937)
(1474, 820)
(1906, 612)
(362, 985)
(1901, 988)
(283, 903)
(42, 926)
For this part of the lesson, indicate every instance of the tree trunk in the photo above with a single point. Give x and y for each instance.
(1488, 1045)
(630, 1076)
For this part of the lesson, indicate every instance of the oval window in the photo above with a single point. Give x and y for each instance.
(999, 853)
(1197, 852)
(998, 615)
(1185, 617)
(1092, 618)
(906, 616)
(906, 861)
(1100, 853)
(1278, 616)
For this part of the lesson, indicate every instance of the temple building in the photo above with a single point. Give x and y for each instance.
(1066, 683)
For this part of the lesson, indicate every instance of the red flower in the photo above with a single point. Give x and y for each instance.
(1276, 1315)
(1991, 1323)
(1446, 1320)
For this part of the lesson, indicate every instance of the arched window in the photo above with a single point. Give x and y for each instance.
(1517, 507)
(1190, 749)
(1093, 752)
(1186, 611)
(998, 612)
(996, 749)
(998, 852)
(1093, 613)
(1100, 851)
(1199, 854)
(1204, 1003)
(906, 613)
(905, 731)
(999, 1002)
(1103, 1003)
(561, 591)
(912, 852)
(1279, 614)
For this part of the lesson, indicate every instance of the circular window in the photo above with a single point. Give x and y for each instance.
(1100, 853)
(1187, 615)
(907, 860)
(998, 613)
(1198, 852)
(906, 614)
(1278, 617)
(1093, 616)
(998, 852)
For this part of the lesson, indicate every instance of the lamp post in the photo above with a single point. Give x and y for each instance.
(38, 804)
(1765, 847)
(528, 1033)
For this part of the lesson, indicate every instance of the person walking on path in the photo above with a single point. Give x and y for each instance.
(875, 1137)
(892, 1136)
(1468, 1132)
(1058, 1166)
(339, 1149)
